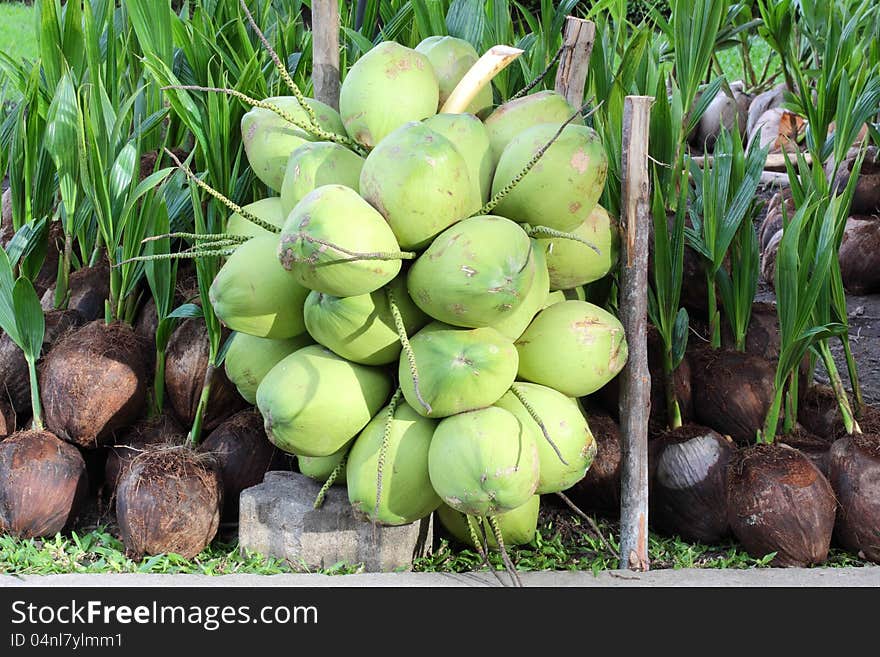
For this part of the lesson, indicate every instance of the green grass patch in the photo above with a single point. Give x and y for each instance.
(18, 36)
(731, 61)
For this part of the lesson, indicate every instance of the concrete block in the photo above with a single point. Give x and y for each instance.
(276, 518)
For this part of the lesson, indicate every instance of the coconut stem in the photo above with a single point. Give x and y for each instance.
(383, 449)
(534, 83)
(673, 409)
(768, 435)
(159, 382)
(505, 557)
(537, 419)
(195, 434)
(354, 255)
(791, 395)
(546, 231)
(35, 395)
(714, 315)
(493, 61)
(849, 421)
(407, 348)
(853, 373)
(319, 500)
(62, 286)
(481, 545)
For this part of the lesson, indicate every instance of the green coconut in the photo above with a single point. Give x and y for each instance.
(313, 401)
(572, 346)
(515, 322)
(269, 139)
(517, 116)
(315, 164)
(406, 493)
(320, 468)
(459, 369)
(572, 263)
(335, 215)
(567, 427)
(469, 136)
(573, 294)
(362, 328)
(387, 87)
(452, 58)
(249, 358)
(253, 294)
(269, 210)
(484, 462)
(419, 182)
(563, 187)
(475, 273)
(518, 526)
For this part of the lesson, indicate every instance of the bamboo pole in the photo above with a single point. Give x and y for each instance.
(577, 42)
(635, 398)
(325, 51)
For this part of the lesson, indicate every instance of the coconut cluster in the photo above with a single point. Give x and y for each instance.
(396, 335)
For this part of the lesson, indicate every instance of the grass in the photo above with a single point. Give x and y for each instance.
(731, 61)
(17, 31)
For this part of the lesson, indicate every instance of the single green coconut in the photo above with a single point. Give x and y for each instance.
(572, 263)
(515, 322)
(475, 273)
(469, 136)
(518, 526)
(452, 58)
(484, 462)
(315, 164)
(253, 294)
(517, 116)
(459, 369)
(387, 87)
(419, 182)
(406, 494)
(572, 346)
(313, 401)
(269, 210)
(269, 139)
(320, 468)
(567, 427)
(563, 187)
(249, 359)
(573, 294)
(335, 216)
(362, 328)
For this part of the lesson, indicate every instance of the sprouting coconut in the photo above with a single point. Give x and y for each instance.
(469, 136)
(778, 501)
(572, 263)
(599, 490)
(388, 463)
(516, 116)
(484, 462)
(313, 401)
(762, 338)
(859, 253)
(727, 112)
(151, 432)
(763, 102)
(270, 210)
(387, 87)
(169, 501)
(518, 526)
(515, 322)
(563, 187)
(819, 413)
(243, 455)
(779, 207)
(93, 383)
(866, 196)
(855, 477)
(768, 258)
(458, 369)
(362, 328)
(459, 281)
(321, 468)
(269, 139)
(253, 294)
(419, 182)
(452, 58)
(89, 289)
(574, 347)
(249, 359)
(816, 448)
(325, 238)
(689, 491)
(567, 459)
(315, 164)
(44, 482)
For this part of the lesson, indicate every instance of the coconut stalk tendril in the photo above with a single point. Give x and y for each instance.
(353, 255)
(407, 348)
(481, 544)
(546, 231)
(383, 449)
(495, 60)
(534, 83)
(505, 557)
(337, 471)
(534, 414)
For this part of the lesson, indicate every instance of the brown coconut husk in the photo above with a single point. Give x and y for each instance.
(243, 455)
(93, 383)
(866, 197)
(7, 419)
(158, 431)
(819, 413)
(729, 112)
(779, 129)
(762, 337)
(768, 259)
(89, 290)
(169, 502)
(811, 445)
(778, 501)
(763, 102)
(599, 490)
(185, 366)
(146, 322)
(689, 483)
(859, 254)
(44, 484)
(854, 472)
(779, 207)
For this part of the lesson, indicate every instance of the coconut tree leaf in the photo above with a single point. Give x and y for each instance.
(680, 336)
(62, 143)
(28, 318)
(7, 304)
(121, 175)
(187, 311)
(151, 20)
(706, 97)
(466, 19)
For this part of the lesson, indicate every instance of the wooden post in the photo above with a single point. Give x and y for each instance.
(635, 387)
(325, 51)
(577, 43)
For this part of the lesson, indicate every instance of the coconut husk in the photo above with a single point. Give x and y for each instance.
(762, 337)
(158, 431)
(49, 271)
(859, 255)
(728, 112)
(689, 483)
(147, 321)
(169, 502)
(778, 129)
(854, 472)
(89, 290)
(7, 420)
(819, 413)
(768, 259)
(44, 483)
(185, 366)
(763, 102)
(599, 490)
(93, 383)
(812, 446)
(866, 197)
(780, 205)
(778, 501)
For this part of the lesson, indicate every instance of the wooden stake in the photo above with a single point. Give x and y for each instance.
(577, 42)
(635, 387)
(325, 51)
